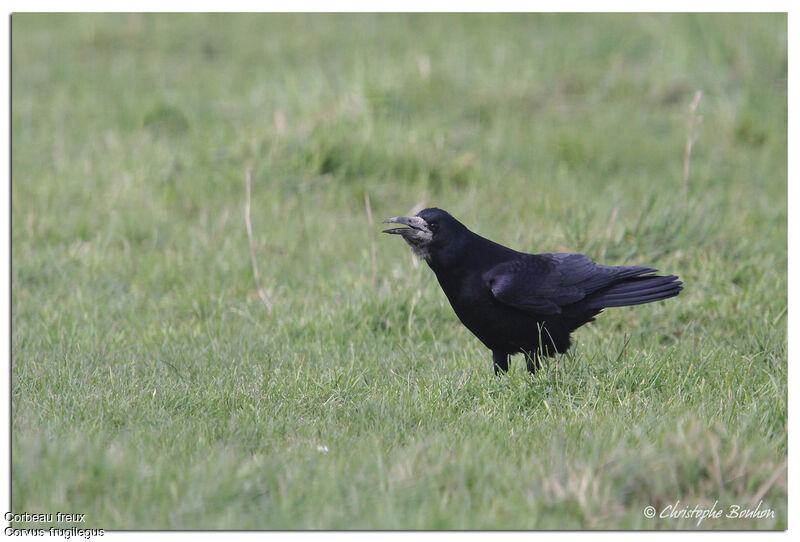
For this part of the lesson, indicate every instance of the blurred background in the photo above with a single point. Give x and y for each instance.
(140, 337)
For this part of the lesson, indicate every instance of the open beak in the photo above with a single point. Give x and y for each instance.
(414, 223)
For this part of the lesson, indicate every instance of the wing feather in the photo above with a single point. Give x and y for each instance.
(544, 283)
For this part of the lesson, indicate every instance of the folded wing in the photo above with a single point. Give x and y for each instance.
(545, 283)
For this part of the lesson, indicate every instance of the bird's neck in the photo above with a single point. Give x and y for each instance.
(472, 253)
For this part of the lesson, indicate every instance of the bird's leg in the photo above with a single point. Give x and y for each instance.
(533, 359)
(500, 361)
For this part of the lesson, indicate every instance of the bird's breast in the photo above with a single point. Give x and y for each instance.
(475, 305)
(497, 325)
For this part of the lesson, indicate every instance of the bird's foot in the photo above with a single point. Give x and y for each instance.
(500, 362)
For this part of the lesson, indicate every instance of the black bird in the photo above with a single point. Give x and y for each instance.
(517, 302)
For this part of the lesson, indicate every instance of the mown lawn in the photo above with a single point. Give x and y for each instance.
(152, 388)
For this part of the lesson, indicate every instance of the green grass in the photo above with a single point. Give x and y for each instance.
(152, 389)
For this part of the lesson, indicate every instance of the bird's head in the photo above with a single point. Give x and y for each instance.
(429, 232)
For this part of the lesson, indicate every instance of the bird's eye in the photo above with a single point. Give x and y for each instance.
(433, 226)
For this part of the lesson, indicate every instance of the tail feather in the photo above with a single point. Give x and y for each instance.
(639, 283)
(640, 290)
(635, 291)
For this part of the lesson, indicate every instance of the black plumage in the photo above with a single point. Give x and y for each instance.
(517, 302)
